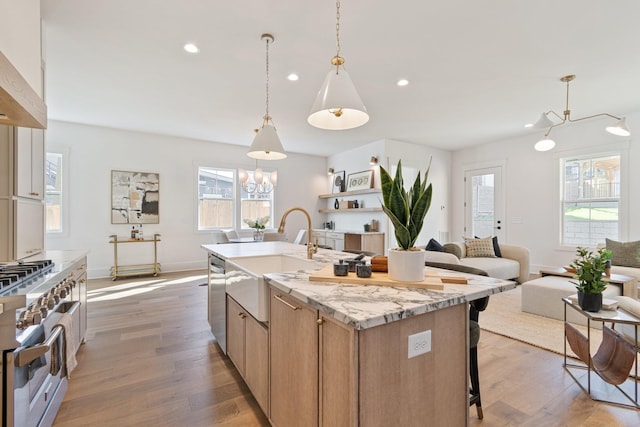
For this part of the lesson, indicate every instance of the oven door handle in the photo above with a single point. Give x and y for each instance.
(28, 355)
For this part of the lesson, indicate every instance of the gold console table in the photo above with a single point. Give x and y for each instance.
(134, 270)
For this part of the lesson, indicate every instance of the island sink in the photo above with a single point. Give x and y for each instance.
(245, 282)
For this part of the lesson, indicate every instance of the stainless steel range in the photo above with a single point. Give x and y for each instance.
(37, 299)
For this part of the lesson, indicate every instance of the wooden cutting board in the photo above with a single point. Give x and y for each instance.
(431, 280)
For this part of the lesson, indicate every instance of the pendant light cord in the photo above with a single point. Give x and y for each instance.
(266, 117)
(338, 28)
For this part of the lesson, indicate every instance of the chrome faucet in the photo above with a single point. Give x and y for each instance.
(311, 248)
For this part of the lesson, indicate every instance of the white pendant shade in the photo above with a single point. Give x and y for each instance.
(338, 93)
(545, 145)
(543, 122)
(620, 128)
(266, 145)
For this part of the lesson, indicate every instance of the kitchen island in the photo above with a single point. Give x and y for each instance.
(355, 355)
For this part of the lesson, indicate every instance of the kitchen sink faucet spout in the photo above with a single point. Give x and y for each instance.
(311, 247)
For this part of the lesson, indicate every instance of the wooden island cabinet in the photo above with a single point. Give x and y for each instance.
(333, 354)
(248, 349)
(324, 373)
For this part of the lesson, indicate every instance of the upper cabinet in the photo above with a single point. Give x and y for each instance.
(29, 163)
(21, 65)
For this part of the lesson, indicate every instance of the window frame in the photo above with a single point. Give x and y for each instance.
(64, 194)
(234, 198)
(619, 149)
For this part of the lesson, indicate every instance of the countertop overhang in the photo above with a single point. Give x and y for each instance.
(360, 306)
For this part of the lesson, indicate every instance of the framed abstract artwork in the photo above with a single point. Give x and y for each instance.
(135, 197)
(338, 182)
(360, 180)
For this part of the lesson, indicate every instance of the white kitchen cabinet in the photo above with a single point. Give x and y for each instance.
(28, 227)
(22, 219)
(329, 239)
(29, 163)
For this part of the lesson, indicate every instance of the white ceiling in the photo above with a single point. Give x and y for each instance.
(479, 70)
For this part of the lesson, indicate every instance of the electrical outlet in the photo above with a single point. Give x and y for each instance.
(419, 343)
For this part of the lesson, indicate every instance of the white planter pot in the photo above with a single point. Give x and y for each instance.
(406, 266)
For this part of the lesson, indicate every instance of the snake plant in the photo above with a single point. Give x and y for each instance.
(405, 209)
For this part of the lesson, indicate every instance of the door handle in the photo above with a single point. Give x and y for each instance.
(28, 355)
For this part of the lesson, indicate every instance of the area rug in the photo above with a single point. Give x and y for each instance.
(503, 317)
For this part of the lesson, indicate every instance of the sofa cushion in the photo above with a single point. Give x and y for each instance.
(626, 271)
(479, 247)
(500, 268)
(434, 245)
(624, 254)
(632, 307)
(496, 246)
(441, 257)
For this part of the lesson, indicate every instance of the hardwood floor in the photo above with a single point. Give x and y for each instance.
(150, 360)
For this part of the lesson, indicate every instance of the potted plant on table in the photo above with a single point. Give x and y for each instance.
(258, 225)
(406, 210)
(590, 268)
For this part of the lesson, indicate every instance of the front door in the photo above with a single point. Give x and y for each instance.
(484, 203)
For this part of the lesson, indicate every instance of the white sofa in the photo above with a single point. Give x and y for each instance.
(513, 265)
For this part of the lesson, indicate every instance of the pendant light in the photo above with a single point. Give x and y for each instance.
(545, 144)
(338, 105)
(266, 145)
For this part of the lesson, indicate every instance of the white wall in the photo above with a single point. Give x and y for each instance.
(532, 188)
(388, 153)
(94, 151)
(20, 38)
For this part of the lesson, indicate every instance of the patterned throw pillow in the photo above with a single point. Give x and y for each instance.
(624, 254)
(479, 247)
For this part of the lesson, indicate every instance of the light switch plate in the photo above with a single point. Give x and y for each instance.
(419, 343)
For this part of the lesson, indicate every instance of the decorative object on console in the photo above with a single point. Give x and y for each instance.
(360, 180)
(258, 225)
(338, 105)
(590, 267)
(266, 144)
(546, 143)
(135, 197)
(407, 211)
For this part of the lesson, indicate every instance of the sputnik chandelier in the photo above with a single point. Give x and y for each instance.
(257, 182)
(545, 144)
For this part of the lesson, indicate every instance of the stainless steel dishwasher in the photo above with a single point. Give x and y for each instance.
(217, 301)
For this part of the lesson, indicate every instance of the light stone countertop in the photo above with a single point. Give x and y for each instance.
(360, 306)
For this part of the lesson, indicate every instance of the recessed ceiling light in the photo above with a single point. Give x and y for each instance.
(191, 48)
(293, 77)
(529, 125)
(402, 82)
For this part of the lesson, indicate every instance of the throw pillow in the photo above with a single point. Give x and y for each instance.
(625, 254)
(480, 247)
(496, 246)
(434, 245)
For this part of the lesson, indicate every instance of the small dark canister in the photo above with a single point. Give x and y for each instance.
(363, 270)
(340, 269)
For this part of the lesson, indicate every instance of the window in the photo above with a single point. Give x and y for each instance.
(53, 192)
(216, 198)
(591, 198)
(257, 200)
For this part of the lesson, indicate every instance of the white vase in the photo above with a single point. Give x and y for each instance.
(406, 266)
